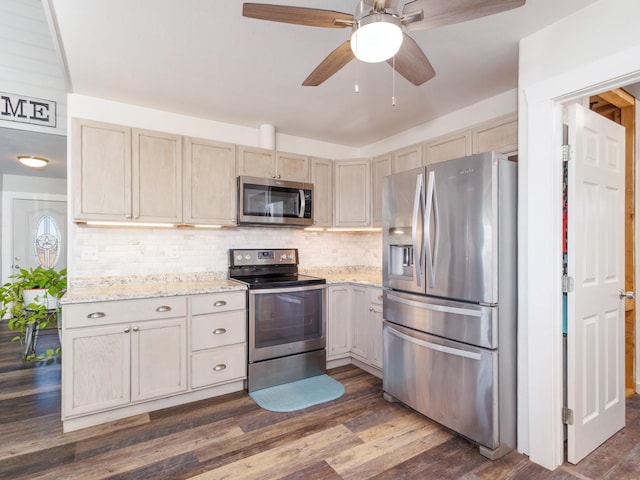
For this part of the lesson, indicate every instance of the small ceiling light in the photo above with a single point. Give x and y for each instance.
(377, 37)
(33, 162)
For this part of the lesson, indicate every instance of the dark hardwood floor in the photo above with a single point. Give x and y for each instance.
(357, 436)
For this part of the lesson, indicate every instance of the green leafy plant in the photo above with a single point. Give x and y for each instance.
(24, 317)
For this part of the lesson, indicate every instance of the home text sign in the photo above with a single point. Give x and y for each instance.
(36, 111)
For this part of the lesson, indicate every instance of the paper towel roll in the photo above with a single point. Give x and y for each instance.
(268, 137)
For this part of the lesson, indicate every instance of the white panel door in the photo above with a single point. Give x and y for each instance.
(595, 243)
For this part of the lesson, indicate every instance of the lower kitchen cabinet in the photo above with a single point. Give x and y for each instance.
(355, 326)
(218, 338)
(131, 356)
(338, 322)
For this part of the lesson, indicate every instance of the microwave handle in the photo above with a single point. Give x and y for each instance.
(303, 203)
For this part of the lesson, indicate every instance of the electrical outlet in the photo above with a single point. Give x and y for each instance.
(89, 253)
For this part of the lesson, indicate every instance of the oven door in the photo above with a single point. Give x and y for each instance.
(286, 321)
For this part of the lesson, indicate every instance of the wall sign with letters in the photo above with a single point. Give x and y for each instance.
(19, 108)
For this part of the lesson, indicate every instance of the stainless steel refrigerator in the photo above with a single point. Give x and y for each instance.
(449, 305)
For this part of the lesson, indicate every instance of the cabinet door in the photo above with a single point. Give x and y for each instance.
(338, 322)
(499, 135)
(156, 176)
(406, 158)
(360, 331)
(158, 358)
(380, 168)
(352, 193)
(290, 166)
(209, 182)
(322, 192)
(257, 162)
(101, 169)
(375, 324)
(455, 145)
(96, 369)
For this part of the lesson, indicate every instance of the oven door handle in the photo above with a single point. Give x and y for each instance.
(263, 291)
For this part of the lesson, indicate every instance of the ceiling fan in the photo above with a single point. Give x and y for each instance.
(380, 30)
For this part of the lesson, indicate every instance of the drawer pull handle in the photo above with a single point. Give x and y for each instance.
(219, 331)
(219, 367)
(220, 303)
(97, 315)
(163, 308)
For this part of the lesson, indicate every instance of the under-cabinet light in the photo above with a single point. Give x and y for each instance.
(105, 223)
(363, 229)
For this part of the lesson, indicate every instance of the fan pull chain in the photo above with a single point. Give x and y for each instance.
(393, 82)
(356, 87)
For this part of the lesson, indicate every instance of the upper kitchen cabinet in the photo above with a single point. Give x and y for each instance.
(121, 173)
(322, 180)
(209, 182)
(406, 158)
(157, 176)
(499, 135)
(380, 168)
(454, 145)
(260, 162)
(352, 197)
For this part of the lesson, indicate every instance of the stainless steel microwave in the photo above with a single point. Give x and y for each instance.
(274, 202)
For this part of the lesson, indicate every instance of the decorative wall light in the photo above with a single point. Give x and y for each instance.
(33, 162)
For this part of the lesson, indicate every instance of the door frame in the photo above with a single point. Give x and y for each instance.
(540, 361)
(7, 221)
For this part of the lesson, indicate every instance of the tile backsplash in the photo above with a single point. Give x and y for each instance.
(97, 252)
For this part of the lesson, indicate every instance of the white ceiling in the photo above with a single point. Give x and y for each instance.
(204, 59)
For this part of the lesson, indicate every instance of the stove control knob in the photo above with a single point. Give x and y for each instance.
(247, 257)
(290, 256)
(238, 257)
(283, 256)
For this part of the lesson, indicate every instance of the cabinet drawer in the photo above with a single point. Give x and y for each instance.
(123, 311)
(218, 329)
(219, 365)
(218, 302)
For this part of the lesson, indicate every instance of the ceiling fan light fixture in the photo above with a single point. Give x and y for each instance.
(33, 162)
(376, 38)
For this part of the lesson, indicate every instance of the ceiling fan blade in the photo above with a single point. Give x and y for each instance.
(412, 63)
(312, 17)
(330, 65)
(446, 12)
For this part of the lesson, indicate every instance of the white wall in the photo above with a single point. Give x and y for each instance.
(499, 105)
(564, 61)
(28, 61)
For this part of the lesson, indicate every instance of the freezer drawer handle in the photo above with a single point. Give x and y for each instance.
(435, 308)
(434, 346)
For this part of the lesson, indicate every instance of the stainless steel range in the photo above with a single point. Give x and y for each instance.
(286, 315)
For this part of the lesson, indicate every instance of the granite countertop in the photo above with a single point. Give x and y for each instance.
(102, 289)
(124, 288)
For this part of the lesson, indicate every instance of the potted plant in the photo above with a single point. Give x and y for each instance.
(31, 302)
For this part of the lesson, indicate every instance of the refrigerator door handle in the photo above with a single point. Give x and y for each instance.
(417, 249)
(436, 308)
(427, 226)
(434, 346)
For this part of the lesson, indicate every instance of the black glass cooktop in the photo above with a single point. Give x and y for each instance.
(279, 281)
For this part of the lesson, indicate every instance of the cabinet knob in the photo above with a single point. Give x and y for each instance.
(380, 297)
(219, 331)
(371, 309)
(219, 367)
(135, 329)
(163, 308)
(97, 315)
(274, 176)
(127, 330)
(220, 303)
